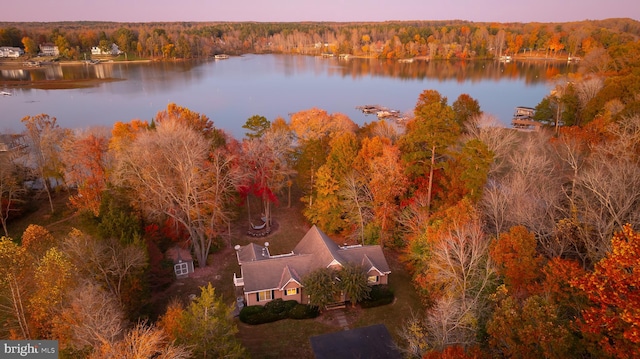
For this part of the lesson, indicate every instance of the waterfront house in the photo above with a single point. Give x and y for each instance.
(265, 277)
(49, 49)
(11, 52)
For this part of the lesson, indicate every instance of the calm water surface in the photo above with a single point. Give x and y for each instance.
(230, 91)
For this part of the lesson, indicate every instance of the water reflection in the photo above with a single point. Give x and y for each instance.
(531, 71)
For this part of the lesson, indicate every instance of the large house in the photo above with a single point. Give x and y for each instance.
(49, 49)
(8, 51)
(265, 277)
(112, 50)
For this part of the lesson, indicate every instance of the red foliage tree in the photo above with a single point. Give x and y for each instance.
(613, 318)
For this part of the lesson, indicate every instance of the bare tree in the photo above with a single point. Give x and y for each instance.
(499, 140)
(11, 189)
(530, 193)
(174, 174)
(588, 89)
(608, 189)
(143, 341)
(93, 318)
(267, 163)
(46, 139)
(356, 198)
(109, 262)
(462, 270)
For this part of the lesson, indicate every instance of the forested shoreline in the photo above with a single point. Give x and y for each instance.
(406, 39)
(519, 244)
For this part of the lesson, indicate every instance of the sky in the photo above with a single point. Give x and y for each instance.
(316, 10)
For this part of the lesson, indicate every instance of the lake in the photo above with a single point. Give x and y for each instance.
(232, 90)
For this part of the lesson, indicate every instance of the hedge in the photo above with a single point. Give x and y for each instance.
(276, 310)
(379, 295)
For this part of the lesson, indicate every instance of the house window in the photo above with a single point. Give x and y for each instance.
(181, 268)
(265, 296)
(372, 279)
(292, 291)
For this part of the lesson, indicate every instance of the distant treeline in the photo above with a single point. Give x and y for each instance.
(403, 39)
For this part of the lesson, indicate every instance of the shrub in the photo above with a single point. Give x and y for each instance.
(303, 311)
(280, 307)
(379, 295)
(276, 310)
(247, 313)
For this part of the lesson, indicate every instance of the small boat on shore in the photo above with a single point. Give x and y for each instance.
(221, 57)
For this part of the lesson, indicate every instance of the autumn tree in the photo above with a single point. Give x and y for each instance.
(517, 261)
(381, 163)
(357, 201)
(326, 209)
(465, 109)
(86, 166)
(466, 172)
(206, 326)
(460, 273)
(427, 135)
(533, 329)
(313, 129)
(30, 46)
(175, 173)
(185, 117)
(123, 134)
(611, 320)
(16, 274)
(37, 240)
(54, 277)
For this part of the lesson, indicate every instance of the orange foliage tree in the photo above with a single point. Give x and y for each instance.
(87, 163)
(613, 318)
(517, 261)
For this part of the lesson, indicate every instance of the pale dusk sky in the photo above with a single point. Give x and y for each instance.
(315, 10)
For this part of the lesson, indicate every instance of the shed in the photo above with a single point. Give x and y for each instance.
(182, 261)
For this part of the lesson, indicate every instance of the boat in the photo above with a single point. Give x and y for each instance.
(5, 93)
(505, 58)
(221, 57)
(406, 61)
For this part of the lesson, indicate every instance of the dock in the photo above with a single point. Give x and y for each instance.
(382, 112)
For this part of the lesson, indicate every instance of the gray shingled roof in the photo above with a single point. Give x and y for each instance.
(315, 250)
(252, 252)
